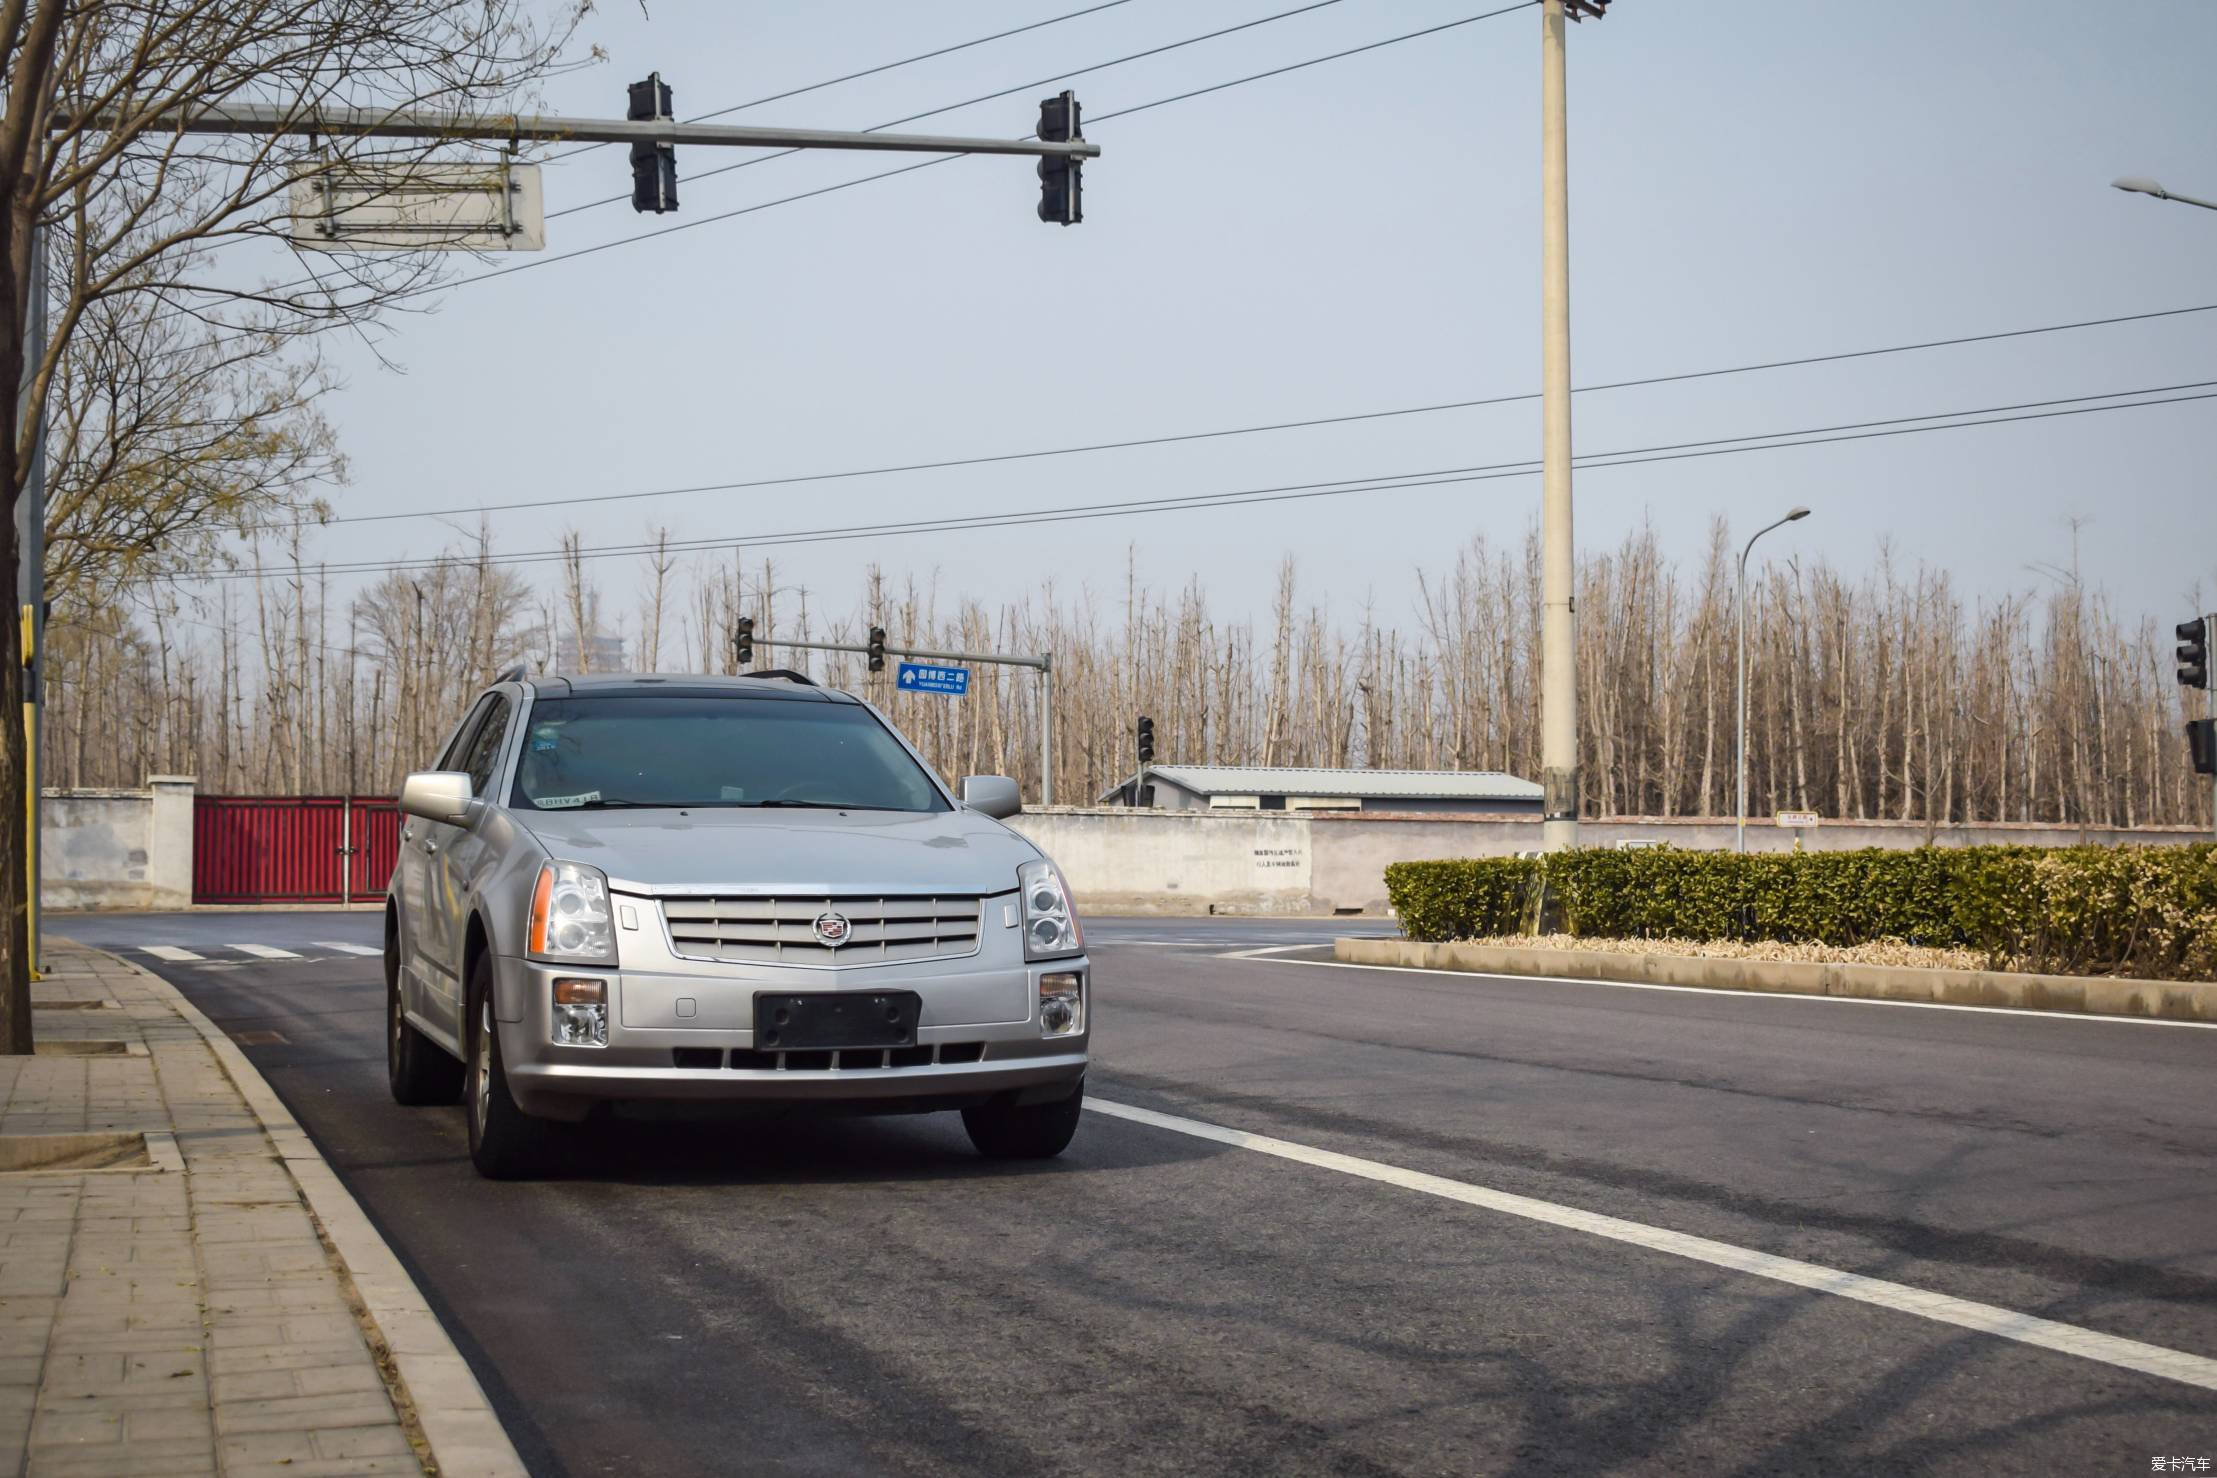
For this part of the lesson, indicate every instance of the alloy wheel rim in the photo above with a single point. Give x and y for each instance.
(484, 1064)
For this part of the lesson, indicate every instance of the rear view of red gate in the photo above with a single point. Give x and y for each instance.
(292, 849)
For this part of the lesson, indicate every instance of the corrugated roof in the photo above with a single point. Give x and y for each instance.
(1459, 785)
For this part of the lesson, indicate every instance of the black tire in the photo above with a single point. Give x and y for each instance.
(505, 1142)
(420, 1071)
(1032, 1131)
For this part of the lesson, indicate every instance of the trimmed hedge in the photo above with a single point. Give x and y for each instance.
(2149, 912)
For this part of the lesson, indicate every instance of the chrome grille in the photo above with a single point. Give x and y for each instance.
(782, 931)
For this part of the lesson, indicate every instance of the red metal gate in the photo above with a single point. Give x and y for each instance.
(292, 849)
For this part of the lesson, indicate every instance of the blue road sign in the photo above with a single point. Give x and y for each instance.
(919, 677)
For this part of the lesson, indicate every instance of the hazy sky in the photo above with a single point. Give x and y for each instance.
(1749, 183)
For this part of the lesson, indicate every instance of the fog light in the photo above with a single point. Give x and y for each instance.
(1061, 1003)
(580, 1013)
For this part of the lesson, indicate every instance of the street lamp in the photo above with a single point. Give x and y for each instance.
(2136, 185)
(1740, 749)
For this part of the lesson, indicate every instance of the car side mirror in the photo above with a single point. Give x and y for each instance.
(991, 795)
(437, 795)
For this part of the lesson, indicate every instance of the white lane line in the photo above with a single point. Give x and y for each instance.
(2047, 1334)
(265, 951)
(171, 953)
(351, 949)
(2020, 1012)
(1256, 954)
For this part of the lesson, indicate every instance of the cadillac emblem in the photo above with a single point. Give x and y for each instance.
(832, 929)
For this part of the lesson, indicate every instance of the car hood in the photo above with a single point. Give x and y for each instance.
(832, 853)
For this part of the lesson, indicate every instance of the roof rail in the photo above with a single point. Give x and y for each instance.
(514, 672)
(783, 674)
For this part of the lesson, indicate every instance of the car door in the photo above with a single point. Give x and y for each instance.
(456, 853)
(416, 871)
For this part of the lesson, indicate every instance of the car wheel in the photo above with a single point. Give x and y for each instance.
(505, 1142)
(418, 1070)
(1032, 1131)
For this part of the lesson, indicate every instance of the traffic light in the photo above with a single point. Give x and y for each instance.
(743, 642)
(653, 166)
(1146, 741)
(2201, 742)
(1061, 191)
(2193, 653)
(877, 649)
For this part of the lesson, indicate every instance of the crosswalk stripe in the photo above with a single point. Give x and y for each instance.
(265, 951)
(344, 948)
(171, 953)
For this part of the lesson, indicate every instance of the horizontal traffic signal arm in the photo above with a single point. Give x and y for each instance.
(546, 128)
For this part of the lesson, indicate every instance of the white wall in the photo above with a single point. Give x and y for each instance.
(118, 848)
(1132, 861)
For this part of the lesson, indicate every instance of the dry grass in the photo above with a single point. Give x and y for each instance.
(1883, 952)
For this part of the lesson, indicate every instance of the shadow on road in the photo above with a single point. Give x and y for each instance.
(761, 1149)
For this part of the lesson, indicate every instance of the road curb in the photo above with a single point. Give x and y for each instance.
(465, 1435)
(2085, 995)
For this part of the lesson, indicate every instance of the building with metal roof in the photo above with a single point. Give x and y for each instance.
(1287, 788)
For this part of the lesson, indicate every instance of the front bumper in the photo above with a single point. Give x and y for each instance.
(954, 1062)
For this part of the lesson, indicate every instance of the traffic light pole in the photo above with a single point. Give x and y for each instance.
(1043, 664)
(31, 591)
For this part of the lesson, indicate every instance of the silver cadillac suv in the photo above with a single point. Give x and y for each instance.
(730, 889)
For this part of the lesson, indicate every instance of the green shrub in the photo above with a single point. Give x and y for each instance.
(2144, 911)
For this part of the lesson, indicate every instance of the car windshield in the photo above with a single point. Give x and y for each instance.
(650, 750)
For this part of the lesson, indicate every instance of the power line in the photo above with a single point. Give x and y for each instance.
(922, 56)
(794, 92)
(1219, 433)
(990, 97)
(1340, 487)
(886, 174)
(908, 168)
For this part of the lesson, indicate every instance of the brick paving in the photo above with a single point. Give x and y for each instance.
(168, 1321)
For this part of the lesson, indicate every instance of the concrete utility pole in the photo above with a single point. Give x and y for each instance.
(1739, 747)
(1558, 563)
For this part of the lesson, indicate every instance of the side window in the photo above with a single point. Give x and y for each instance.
(450, 758)
(484, 750)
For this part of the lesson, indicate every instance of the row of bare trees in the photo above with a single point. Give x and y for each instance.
(1888, 695)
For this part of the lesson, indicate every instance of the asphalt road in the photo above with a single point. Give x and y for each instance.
(868, 1297)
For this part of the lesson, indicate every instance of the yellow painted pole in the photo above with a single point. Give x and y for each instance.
(30, 791)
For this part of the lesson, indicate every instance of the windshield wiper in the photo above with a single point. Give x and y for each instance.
(812, 805)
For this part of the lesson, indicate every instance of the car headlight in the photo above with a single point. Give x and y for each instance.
(569, 916)
(1050, 923)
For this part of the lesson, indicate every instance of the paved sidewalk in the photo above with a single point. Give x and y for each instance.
(179, 1315)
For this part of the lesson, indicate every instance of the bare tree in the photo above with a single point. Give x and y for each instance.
(92, 145)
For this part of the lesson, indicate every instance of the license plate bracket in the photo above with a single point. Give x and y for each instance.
(788, 1021)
